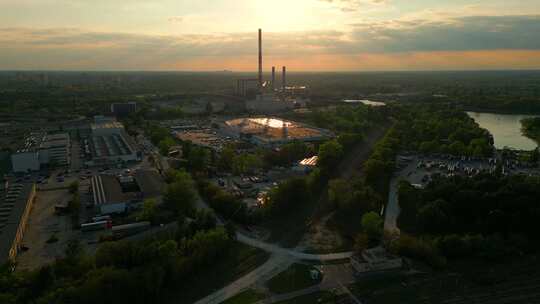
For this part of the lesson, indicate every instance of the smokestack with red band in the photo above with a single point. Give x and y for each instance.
(284, 78)
(273, 77)
(260, 60)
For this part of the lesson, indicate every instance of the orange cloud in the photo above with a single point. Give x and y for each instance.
(434, 60)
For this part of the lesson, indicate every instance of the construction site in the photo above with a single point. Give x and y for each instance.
(272, 131)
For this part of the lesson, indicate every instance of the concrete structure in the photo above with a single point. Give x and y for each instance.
(108, 196)
(260, 60)
(109, 143)
(205, 138)
(55, 149)
(269, 103)
(42, 149)
(118, 194)
(123, 109)
(16, 201)
(273, 78)
(284, 78)
(269, 132)
(306, 165)
(23, 162)
(375, 259)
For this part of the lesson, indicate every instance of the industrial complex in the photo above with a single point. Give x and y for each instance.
(42, 149)
(270, 131)
(118, 193)
(16, 201)
(262, 96)
(108, 143)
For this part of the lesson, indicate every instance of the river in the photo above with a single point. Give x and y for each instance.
(506, 129)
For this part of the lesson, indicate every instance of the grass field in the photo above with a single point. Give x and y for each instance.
(247, 297)
(296, 277)
(321, 297)
(234, 263)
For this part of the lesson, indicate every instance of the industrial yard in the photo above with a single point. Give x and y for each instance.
(270, 131)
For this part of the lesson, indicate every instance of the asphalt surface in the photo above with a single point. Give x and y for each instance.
(280, 259)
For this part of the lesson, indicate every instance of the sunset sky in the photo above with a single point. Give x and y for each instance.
(305, 35)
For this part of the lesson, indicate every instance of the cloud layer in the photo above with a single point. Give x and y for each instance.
(394, 40)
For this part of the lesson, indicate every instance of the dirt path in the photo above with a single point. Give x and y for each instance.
(352, 164)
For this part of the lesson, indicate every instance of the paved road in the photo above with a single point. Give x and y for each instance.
(274, 265)
(279, 261)
(289, 295)
(392, 207)
(291, 252)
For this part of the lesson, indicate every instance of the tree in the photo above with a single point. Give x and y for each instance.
(226, 157)
(180, 195)
(231, 230)
(165, 145)
(433, 218)
(74, 187)
(198, 158)
(372, 224)
(289, 195)
(330, 154)
(339, 192)
(361, 242)
(149, 210)
(245, 163)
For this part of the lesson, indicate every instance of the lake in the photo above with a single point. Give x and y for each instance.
(506, 129)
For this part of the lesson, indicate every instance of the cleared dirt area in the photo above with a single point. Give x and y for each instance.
(42, 225)
(319, 237)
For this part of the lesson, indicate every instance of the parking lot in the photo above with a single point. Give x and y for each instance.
(424, 168)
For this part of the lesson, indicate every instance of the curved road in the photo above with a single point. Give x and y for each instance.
(291, 252)
(279, 261)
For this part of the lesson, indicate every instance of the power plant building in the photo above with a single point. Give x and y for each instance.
(269, 97)
(123, 109)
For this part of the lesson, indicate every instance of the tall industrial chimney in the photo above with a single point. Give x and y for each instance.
(260, 60)
(273, 77)
(284, 78)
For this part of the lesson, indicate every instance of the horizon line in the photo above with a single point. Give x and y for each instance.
(268, 72)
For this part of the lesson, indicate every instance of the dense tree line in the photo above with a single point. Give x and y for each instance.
(351, 200)
(224, 203)
(121, 272)
(437, 129)
(493, 212)
(531, 128)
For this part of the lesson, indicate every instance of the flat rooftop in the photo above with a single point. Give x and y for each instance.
(106, 125)
(150, 182)
(276, 129)
(110, 145)
(13, 202)
(204, 138)
(108, 189)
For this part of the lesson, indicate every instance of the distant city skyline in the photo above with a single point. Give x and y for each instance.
(304, 35)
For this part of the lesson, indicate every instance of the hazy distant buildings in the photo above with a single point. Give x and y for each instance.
(123, 109)
(267, 96)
